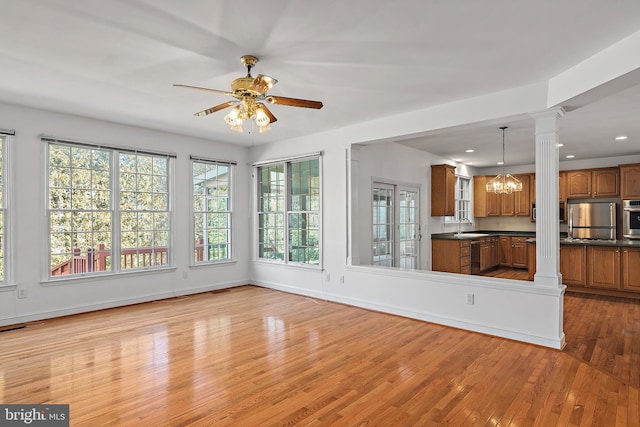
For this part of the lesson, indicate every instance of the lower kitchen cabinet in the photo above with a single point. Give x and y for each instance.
(573, 264)
(452, 256)
(519, 252)
(488, 253)
(631, 269)
(504, 251)
(604, 267)
(512, 251)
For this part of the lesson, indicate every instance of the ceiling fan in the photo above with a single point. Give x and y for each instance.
(249, 92)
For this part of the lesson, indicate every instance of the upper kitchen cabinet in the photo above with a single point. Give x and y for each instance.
(484, 203)
(602, 182)
(443, 190)
(492, 204)
(562, 187)
(630, 181)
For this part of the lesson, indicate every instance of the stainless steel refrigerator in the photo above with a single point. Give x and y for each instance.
(595, 220)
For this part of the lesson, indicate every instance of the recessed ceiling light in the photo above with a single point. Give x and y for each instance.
(560, 145)
(621, 138)
(570, 156)
(468, 163)
(457, 160)
(470, 150)
(500, 163)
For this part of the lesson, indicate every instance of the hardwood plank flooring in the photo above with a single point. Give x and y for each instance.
(257, 357)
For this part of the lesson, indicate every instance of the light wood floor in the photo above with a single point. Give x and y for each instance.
(256, 357)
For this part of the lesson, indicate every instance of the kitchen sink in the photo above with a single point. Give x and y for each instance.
(471, 235)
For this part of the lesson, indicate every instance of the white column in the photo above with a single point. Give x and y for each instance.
(547, 198)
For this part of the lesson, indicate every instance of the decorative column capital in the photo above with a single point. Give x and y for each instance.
(555, 113)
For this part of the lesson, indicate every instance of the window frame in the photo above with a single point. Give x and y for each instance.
(193, 262)
(6, 207)
(287, 210)
(116, 210)
(455, 219)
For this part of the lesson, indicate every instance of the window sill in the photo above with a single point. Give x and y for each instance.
(7, 287)
(106, 276)
(314, 267)
(213, 264)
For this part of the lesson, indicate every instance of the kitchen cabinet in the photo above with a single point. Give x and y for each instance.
(504, 251)
(519, 202)
(631, 269)
(573, 264)
(602, 182)
(531, 251)
(604, 267)
(491, 204)
(562, 187)
(484, 204)
(630, 181)
(522, 198)
(452, 256)
(519, 252)
(488, 253)
(512, 251)
(443, 190)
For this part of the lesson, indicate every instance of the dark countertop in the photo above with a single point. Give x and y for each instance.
(589, 242)
(472, 235)
(481, 233)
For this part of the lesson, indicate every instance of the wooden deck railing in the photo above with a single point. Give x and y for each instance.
(98, 259)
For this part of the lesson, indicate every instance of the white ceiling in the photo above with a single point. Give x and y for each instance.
(117, 60)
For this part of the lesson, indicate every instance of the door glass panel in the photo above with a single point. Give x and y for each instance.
(409, 224)
(383, 221)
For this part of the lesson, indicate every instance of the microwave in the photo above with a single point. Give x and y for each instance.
(562, 212)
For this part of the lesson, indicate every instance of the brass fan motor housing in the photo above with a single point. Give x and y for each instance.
(241, 84)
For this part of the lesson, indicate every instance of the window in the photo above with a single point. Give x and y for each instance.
(462, 201)
(211, 210)
(3, 208)
(105, 205)
(289, 211)
(144, 210)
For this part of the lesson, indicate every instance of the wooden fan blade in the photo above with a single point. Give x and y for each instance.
(262, 84)
(224, 92)
(214, 109)
(294, 102)
(268, 112)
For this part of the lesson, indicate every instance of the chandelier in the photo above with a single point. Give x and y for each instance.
(504, 183)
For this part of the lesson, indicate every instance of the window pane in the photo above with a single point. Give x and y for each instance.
(80, 216)
(211, 211)
(144, 204)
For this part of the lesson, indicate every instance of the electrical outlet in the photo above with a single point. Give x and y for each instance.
(341, 279)
(327, 278)
(470, 299)
(22, 292)
(185, 275)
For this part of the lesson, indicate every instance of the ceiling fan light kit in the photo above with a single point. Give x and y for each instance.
(504, 183)
(249, 92)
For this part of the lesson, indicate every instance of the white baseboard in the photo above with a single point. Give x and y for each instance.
(551, 342)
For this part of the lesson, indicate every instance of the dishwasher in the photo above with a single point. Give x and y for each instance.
(475, 256)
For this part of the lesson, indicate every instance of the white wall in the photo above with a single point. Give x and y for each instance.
(28, 226)
(512, 309)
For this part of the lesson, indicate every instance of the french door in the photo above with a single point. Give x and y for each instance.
(396, 226)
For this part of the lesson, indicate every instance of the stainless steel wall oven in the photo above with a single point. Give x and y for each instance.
(631, 219)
